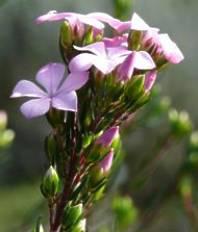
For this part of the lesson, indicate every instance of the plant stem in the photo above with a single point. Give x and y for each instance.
(64, 198)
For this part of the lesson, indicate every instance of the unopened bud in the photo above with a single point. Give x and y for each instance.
(51, 148)
(3, 120)
(38, 227)
(134, 40)
(66, 39)
(6, 138)
(107, 162)
(72, 215)
(81, 226)
(180, 122)
(107, 138)
(51, 183)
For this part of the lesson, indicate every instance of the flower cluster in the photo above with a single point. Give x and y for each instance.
(108, 79)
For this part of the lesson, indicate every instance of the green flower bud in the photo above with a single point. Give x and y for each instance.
(193, 150)
(125, 212)
(72, 215)
(165, 103)
(51, 183)
(194, 141)
(38, 227)
(123, 8)
(6, 138)
(50, 148)
(134, 89)
(3, 120)
(80, 227)
(180, 122)
(185, 186)
(66, 37)
(134, 40)
(87, 139)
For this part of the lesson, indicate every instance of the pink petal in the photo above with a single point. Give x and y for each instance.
(112, 22)
(107, 162)
(137, 23)
(65, 101)
(81, 62)
(171, 51)
(35, 107)
(126, 69)
(51, 16)
(116, 41)
(91, 21)
(108, 136)
(150, 80)
(74, 81)
(50, 76)
(143, 61)
(71, 17)
(114, 52)
(97, 48)
(27, 89)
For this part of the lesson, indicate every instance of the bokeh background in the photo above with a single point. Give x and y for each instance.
(25, 47)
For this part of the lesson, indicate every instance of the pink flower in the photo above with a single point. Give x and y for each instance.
(139, 60)
(105, 59)
(55, 91)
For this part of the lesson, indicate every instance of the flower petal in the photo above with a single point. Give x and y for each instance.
(81, 62)
(112, 22)
(116, 41)
(143, 61)
(137, 23)
(65, 101)
(86, 19)
(126, 69)
(150, 79)
(27, 89)
(107, 162)
(171, 51)
(71, 17)
(74, 81)
(51, 16)
(97, 48)
(35, 107)
(50, 76)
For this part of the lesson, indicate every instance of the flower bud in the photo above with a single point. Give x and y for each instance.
(180, 122)
(72, 215)
(107, 138)
(66, 35)
(134, 90)
(51, 148)
(193, 150)
(185, 186)
(194, 140)
(6, 138)
(134, 40)
(107, 162)
(92, 35)
(38, 227)
(51, 183)
(125, 212)
(80, 227)
(3, 120)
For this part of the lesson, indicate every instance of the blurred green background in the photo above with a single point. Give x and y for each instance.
(25, 47)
